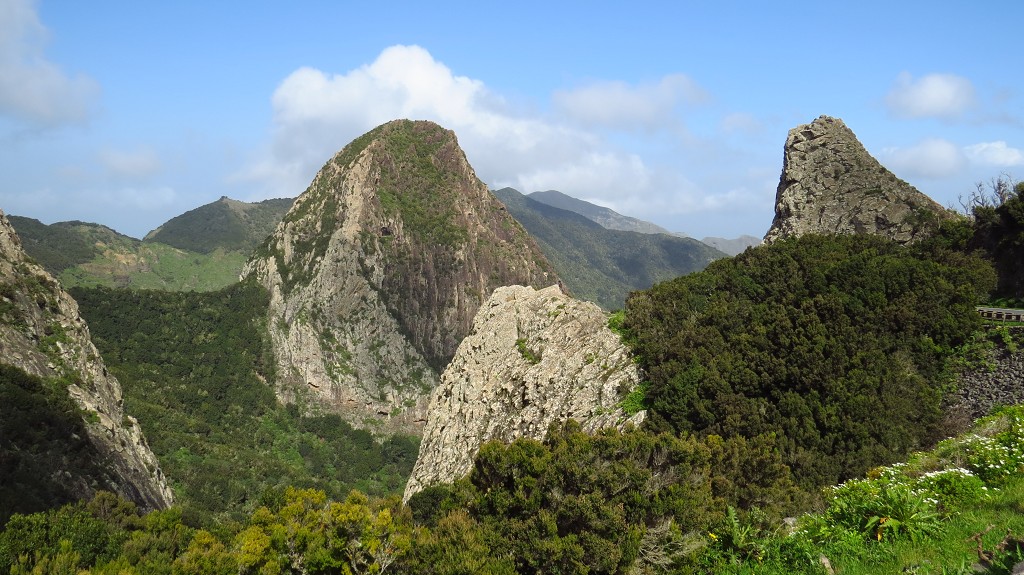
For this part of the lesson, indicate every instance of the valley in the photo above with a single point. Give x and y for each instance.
(401, 370)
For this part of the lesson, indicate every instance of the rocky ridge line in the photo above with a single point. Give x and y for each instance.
(534, 357)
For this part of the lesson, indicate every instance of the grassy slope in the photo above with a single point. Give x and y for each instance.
(201, 250)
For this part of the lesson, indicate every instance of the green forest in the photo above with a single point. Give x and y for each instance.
(796, 398)
(194, 367)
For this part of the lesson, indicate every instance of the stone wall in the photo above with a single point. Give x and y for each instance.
(999, 383)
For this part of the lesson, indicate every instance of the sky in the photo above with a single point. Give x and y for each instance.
(129, 113)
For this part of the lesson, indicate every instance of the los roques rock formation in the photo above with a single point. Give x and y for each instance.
(42, 334)
(377, 270)
(830, 184)
(533, 358)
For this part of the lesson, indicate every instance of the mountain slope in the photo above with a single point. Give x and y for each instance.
(606, 217)
(599, 264)
(46, 347)
(202, 250)
(376, 272)
(732, 246)
(226, 224)
(830, 184)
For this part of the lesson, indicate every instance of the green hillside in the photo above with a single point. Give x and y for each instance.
(201, 250)
(599, 264)
(228, 225)
(802, 379)
(195, 372)
(63, 245)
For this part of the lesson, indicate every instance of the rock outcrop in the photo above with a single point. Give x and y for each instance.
(377, 270)
(42, 334)
(830, 184)
(533, 358)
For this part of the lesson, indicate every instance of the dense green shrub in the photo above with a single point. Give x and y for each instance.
(197, 373)
(838, 345)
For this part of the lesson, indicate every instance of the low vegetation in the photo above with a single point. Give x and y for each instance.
(839, 346)
(194, 368)
(630, 502)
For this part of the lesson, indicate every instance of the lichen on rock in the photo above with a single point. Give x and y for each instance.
(830, 184)
(533, 358)
(377, 270)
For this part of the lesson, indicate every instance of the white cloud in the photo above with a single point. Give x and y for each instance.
(316, 113)
(930, 158)
(625, 107)
(945, 96)
(995, 154)
(135, 164)
(601, 175)
(32, 88)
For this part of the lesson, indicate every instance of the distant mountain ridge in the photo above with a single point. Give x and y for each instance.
(732, 246)
(203, 249)
(225, 224)
(612, 220)
(606, 217)
(599, 264)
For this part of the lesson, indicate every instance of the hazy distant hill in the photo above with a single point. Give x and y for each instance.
(732, 246)
(604, 216)
(203, 249)
(600, 264)
(227, 224)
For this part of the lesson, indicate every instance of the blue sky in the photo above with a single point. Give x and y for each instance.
(129, 113)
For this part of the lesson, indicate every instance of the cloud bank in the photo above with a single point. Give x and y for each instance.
(932, 158)
(315, 113)
(618, 105)
(33, 90)
(995, 154)
(944, 96)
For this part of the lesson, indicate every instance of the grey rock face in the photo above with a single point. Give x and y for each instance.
(534, 357)
(830, 184)
(377, 270)
(43, 334)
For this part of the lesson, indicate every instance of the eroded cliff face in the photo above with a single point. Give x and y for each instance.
(534, 357)
(376, 272)
(830, 184)
(42, 333)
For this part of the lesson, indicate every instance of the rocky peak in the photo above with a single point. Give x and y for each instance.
(533, 358)
(377, 270)
(830, 184)
(42, 334)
